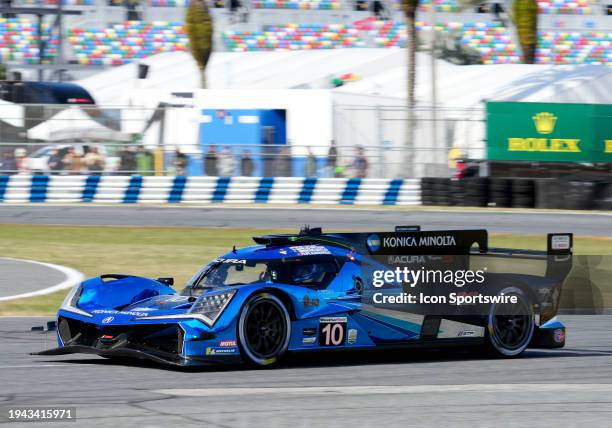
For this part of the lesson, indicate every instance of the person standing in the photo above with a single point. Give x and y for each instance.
(210, 161)
(332, 160)
(8, 164)
(55, 162)
(180, 163)
(94, 161)
(127, 161)
(72, 162)
(283, 163)
(246, 164)
(144, 162)
(311, 164)
(360, 164)
(227, 165)
(21, 161)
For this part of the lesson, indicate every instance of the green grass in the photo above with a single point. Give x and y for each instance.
(159, 251)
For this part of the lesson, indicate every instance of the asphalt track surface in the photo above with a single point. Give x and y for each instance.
(561, 388)
(20, 276)
(523, 222)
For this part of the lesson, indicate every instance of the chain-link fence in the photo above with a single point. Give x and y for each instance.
(170, 140)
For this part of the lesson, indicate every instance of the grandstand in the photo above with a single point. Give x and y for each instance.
(322, 56)
(571, 31)
(125, 42)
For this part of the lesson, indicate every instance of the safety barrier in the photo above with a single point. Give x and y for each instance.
(149, 189)
(586, 193)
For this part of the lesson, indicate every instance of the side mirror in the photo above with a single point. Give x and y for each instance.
(167, 281)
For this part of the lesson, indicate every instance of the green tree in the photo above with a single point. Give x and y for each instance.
(199, 28)
(525, 17)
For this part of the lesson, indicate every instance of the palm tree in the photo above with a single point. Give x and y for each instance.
(199, 28)
(410, 9)
(525, 17)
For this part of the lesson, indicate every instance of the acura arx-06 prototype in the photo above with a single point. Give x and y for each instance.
(313, 291)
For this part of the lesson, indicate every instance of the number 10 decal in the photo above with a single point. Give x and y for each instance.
(332, 331)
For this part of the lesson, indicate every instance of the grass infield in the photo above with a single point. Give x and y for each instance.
(161, 251)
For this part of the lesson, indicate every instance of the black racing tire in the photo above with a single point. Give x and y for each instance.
(508, 335)
(264, 330)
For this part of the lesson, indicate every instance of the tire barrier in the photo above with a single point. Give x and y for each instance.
(476, 191)
(500, 192)
(523, 193)
(572, 194)
(137, 189)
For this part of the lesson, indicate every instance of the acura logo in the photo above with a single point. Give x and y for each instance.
(108, 320)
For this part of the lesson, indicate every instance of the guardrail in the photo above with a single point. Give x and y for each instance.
(203, 190)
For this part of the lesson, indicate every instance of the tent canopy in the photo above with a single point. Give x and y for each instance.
(381, 73)
(74, 124)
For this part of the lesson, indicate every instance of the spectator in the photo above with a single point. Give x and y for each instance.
(283, 163)
(72, 162)
(246, 164)
(210, 161)
(55, 162)
(94, 161)
(127, 161)
(132, 12)
(144, 162)
(226, 163)
(332, 160)
(8, 164)
(378, 8)
(21, 159)
(311, 164)
(360, 164)
(497, 11)
(180, 162)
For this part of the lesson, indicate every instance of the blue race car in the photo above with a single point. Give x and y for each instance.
(307, 292)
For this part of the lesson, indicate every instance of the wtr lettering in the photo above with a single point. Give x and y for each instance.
(422, 241)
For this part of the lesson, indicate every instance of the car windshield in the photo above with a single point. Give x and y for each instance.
(311, 272)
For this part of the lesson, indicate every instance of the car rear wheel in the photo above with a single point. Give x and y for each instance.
(510, 325)
(264, 329)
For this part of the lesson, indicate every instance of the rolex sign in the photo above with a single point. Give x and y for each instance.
(549, 132)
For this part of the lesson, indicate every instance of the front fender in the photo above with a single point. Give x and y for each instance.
(105, 292)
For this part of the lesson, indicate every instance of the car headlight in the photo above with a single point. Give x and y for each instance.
(212, 305)
(207, 308)
(71, 302)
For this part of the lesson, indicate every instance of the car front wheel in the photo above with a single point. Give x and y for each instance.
(264, 329)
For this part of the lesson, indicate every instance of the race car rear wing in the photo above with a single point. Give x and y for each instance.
(413, 241)
(405, 240)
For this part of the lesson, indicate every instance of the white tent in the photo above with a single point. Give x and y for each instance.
(382, 72)
(74, 123)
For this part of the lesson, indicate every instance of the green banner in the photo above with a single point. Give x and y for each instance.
(549, 132)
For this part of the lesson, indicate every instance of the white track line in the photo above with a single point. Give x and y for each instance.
(73, 277)
(334, 207)
(390, 389)
(37, 366)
